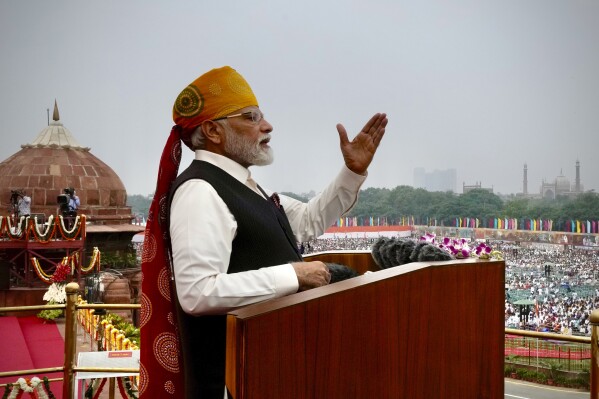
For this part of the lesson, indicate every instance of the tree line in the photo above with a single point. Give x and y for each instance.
(445, 207)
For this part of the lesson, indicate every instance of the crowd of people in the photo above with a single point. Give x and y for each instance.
(335, 244)
(562, 284)
(557, 286)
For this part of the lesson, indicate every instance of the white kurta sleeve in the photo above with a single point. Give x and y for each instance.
(311, 219)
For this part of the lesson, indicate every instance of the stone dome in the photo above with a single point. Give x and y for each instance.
(562, 184)
(55, 161)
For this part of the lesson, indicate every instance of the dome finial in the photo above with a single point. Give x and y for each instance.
(55, 115)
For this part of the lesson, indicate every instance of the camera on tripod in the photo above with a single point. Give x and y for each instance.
(14, 196)
(64, 200)
(14, 201)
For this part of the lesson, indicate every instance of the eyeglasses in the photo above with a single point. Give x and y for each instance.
(255, 116)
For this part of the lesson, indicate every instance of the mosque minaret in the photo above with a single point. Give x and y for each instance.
(559, 187)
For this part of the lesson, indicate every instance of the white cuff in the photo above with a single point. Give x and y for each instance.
(350, 180)
(285, 280)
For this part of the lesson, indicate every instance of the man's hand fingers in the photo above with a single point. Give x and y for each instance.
(370, 123)
(378, 135)
(342, 134)
(374, 123)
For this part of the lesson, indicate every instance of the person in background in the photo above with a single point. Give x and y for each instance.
(74, 201)
(233, 242)
(69, 208)
(23, 204)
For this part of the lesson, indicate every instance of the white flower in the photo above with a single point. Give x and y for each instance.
(14, 392)
(24, 386)
(39, 388)
(56, 293)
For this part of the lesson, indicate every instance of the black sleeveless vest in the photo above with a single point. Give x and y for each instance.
(264, 238)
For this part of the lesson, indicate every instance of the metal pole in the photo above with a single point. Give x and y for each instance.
(537, 355)
(70, 344)
(594, 319)
(111, 387)
(529, 345)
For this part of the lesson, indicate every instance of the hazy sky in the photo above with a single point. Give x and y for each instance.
(479, 86)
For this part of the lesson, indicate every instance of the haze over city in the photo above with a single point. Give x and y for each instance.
(482, 87)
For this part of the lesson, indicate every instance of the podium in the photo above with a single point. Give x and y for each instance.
(421, 330)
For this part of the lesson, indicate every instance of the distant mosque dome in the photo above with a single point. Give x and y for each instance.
(559, 187)
(562, 184)
(55, 161)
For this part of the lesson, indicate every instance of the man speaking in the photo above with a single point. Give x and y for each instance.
(233, 242)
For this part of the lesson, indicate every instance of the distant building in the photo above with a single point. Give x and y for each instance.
(419, 178)
(437, 180)
(560, 186)
(475, 186)
(54, 161)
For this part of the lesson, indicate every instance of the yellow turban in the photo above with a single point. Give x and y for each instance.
(215, 94)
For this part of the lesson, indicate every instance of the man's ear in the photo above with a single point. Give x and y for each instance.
(212, 131)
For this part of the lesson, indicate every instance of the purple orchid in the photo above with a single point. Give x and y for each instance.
(483, 251)
(428, 237)
(460, 247)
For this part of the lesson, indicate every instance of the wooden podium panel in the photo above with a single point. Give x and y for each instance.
(422, 330)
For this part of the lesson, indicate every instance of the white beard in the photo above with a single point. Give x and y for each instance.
(244, 150)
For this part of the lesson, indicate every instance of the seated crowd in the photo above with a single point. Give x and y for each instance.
(563, 285)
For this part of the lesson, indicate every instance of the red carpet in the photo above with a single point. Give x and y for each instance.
(29, 343)
(14, 354)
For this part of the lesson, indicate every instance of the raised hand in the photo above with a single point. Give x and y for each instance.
(359, 152)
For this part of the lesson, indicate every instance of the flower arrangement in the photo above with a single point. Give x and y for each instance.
(47, 232)
(34, 388)
(94, 262)
(460, 247)
(62, 271)
(28, 228)
(75, 230)
(56, 292)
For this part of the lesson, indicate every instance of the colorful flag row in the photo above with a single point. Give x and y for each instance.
(573, 226)
(375, 221)
(506, 223)
(582, 226)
